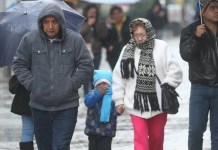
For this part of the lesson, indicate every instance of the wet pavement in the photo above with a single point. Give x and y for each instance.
(176, 132)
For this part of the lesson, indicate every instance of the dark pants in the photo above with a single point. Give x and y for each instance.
(97, 60)
(97, 142)
(88, 85)
(112, 64)
(203, 102)
(54, 129)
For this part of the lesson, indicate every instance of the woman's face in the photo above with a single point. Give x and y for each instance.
(140, 34)
(92, 13)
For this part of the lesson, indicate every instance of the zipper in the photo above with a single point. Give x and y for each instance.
(51, 54)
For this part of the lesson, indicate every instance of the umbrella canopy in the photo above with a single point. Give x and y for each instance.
(112, 1)
(21, 18)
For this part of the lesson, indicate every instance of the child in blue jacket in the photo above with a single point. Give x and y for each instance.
(101, 117)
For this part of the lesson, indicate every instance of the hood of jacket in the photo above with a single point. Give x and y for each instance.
(57, 12)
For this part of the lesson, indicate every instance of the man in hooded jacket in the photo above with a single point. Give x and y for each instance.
(52, 63)
(198, 46)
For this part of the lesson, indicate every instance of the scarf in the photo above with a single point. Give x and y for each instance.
(106, 106)
(145, 90)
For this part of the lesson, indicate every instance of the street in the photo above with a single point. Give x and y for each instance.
(176, 133)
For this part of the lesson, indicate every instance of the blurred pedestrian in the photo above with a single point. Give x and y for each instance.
(135, 87)
(101, 117)
(20, 106)
(118, 25)
(53, 62)
(198, 46)
(158, 18)
(94, 32)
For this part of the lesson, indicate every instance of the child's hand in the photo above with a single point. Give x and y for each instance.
(120, 109)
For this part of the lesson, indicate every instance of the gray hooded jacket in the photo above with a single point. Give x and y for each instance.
(53, 71)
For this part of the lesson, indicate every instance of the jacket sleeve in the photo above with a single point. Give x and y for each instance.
(22, 63)
(172, 69)
(84, 64)
(92, 97)
(189, 44)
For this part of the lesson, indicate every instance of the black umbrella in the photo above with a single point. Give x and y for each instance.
(21, 18)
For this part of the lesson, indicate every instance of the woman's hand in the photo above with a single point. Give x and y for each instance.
(120, 109)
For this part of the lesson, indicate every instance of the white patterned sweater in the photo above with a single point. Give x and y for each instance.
(167, 69)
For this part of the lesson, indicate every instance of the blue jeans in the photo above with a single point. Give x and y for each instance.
(54, 129)
(27, 129)
(203, 101)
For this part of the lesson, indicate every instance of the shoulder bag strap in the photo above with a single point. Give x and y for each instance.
(158, 79)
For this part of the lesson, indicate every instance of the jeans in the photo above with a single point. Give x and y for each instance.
(203, 101)
(27, 129)
(54, 129)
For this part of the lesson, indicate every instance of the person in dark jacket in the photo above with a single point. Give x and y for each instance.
(20, 106)
(158, 18)
(52, 63)
(118, 36)
(198, 46)
(101, 117)
(94, 32)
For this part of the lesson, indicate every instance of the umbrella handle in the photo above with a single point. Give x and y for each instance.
(199, 5)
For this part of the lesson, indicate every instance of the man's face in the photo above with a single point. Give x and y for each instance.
(211, 12)
(51, 27)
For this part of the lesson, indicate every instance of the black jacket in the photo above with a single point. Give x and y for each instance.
(159, 19)
(20, 103)
(201, 54)
(113, 39)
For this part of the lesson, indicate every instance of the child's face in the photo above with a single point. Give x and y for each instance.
(102, 87)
